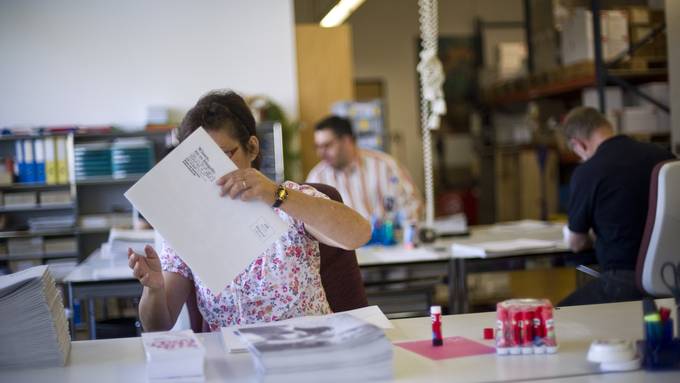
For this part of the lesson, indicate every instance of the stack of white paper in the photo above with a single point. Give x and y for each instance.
(34, 329)
(173, 354)
(500, 248)
(121, 240)
(338, 348)
(233, 343)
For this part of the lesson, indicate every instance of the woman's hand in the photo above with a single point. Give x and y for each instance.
(248, 185)
(146, 269)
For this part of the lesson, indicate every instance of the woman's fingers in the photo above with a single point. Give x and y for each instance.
(145, 279)
(249, 194)
(140, 269)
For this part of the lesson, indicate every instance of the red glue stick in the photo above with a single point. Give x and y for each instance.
(436, 314)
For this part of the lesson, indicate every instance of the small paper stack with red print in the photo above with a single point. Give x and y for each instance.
(173, 354)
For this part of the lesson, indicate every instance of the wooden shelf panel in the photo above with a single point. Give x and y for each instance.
(574, 84)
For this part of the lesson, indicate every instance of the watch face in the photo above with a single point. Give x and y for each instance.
(281, 193)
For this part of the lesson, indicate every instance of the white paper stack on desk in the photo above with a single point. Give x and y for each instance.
(174, 355)
(233, 343)
(338, 348)
(500, 248)
(34, 329)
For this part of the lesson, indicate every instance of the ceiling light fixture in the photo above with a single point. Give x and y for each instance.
(340, 12)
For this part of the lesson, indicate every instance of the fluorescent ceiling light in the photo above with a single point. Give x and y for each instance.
(340, 12)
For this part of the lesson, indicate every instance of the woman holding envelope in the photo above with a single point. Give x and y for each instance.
(284, 281)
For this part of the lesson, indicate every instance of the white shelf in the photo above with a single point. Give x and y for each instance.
(10, 209)
(37, 256)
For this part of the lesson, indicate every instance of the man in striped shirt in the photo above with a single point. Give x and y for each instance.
(371, 182)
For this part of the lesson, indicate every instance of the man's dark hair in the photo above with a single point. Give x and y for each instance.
(582, 122)
(221, 109)
(339, 125)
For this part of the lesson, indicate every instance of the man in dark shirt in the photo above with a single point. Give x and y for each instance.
(609, 194)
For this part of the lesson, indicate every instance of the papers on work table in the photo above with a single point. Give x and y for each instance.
(34, 329)
(524, 224)
(120, 240)
(453, 225)
(500, 248)
(338, 348)
(233, 343)
(217, 237)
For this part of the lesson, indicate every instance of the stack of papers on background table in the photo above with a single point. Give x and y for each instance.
(173, 355)
(339, 348)
(34, 329)
(120, 240)
(500, 248)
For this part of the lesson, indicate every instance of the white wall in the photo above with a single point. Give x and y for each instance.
(673, 33)
(384, 38)
(106, 61)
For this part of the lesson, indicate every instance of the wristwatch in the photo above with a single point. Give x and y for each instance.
(281, 195)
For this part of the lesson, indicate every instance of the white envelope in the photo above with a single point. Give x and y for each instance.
(217, 237)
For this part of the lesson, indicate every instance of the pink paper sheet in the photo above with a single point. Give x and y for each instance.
(454, 347)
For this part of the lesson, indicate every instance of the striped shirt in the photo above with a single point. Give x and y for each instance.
(371, 183)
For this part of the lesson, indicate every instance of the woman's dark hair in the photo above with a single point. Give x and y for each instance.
(221, 109)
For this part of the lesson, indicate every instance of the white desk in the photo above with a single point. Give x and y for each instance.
(511, 260)
(122, 360)
(458, 267)
(99, 277)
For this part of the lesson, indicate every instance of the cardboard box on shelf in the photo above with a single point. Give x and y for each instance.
(639, 32)
(613, 98)
(657, 90)
(511, 59)
(638, 120)
(638, 15)
(20, 199)
(577, 35)
(25, 246)
(60, 245)
(55, 197)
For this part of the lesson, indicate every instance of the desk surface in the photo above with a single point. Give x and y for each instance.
(96, 268)
(441, 249)
(122, 360)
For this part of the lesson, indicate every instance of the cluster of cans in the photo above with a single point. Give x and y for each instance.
(525, 326)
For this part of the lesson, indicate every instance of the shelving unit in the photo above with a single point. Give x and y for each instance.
(38, 256)
(108, 181)
(558, 90)
(27, 234)
(102, 195)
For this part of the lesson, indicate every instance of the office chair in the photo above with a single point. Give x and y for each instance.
(340, 277)
(658, 263)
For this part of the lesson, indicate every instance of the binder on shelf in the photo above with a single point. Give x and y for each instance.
(39, 159)
(50, 161)
(18, 160)
(28, 168)
(62, 161)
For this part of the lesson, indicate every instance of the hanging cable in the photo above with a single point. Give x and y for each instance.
(432, 105)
